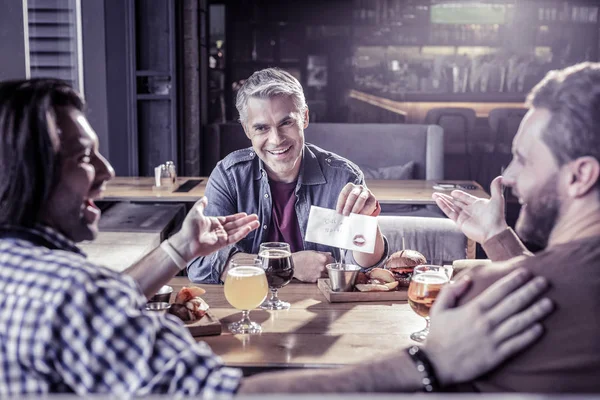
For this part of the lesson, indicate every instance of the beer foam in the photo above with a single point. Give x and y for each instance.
(275, 253)
(245, 271)
(431, 278)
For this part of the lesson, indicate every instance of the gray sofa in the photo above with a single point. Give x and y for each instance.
(438, 239)
(375, 148)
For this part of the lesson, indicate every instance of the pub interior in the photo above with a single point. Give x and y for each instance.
(406, 103)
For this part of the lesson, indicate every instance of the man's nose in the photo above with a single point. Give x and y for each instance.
(275, 135)
(104, 171)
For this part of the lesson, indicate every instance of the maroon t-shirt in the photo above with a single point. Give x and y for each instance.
(284, 222)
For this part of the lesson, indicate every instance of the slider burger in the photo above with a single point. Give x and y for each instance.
(402, 263)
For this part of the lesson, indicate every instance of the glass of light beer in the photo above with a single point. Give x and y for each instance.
(246, 288)
(425, 285)
(277, 262)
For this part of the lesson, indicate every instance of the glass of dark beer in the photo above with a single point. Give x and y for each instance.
(276, 259)
(425, 285)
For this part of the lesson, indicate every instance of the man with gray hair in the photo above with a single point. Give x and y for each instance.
(555, 174)
(279, 178)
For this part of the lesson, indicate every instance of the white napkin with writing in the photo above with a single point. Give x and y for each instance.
(354, 232)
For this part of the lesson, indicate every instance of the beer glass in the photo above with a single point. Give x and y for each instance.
(277, 262)
(425, 285)
(246, 288)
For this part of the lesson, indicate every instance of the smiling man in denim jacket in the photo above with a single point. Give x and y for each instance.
(279, 178)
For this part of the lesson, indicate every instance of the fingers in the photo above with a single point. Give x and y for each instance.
(233, 217)
(342, 197)
(524, 320)
(450, 294)
(463, 197)
(240, 221)
(361, 201)
(501, 289)
(517, 300)
(241, 232)
(446, 206)
(351, 200)
(519, 342)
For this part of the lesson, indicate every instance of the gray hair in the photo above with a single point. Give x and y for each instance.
(572, 96)
(268, 83)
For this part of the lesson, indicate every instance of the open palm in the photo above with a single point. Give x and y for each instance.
(208, 234)
(479, 219)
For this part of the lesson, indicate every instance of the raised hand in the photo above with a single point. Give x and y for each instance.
(310, 265)
(357, 199)
(201, 235)
(479, 219)
(468, 341)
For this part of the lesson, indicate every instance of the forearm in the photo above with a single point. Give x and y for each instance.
(153, 271)
(391, 374)
(504, 246)
(366, 260)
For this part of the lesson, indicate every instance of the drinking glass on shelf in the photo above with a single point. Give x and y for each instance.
(277, 262)
(246, 288)
(425, 285)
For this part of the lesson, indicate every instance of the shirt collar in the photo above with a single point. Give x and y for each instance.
(311, 172)
(46, 236)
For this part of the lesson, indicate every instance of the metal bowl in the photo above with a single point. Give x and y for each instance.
(158, 306)
(162, 296)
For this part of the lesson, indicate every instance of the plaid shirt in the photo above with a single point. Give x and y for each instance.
(67, 325)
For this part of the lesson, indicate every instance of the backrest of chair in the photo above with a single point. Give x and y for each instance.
(458, 123)
(367, 145)
(505, 122)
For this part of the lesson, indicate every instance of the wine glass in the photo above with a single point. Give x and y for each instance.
(277, 262)
(425, 285)
(246, 288)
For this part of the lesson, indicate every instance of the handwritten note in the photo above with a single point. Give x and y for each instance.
(354, 232)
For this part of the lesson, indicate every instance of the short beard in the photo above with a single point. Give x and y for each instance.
(537, 219)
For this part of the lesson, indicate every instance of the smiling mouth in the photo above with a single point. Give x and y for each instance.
(359, 240)
(279, 152)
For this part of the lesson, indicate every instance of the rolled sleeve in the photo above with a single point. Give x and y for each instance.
(505, 246)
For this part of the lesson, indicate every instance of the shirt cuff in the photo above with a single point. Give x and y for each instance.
(384, 257)
(504, 246)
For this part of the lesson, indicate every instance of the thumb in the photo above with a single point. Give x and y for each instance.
(496, 189)
(201, 204)
(451, 293)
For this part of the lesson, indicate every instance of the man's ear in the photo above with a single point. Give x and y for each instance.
(306, 114)
(584, 175)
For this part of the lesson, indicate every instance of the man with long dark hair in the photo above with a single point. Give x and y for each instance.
(67, 325)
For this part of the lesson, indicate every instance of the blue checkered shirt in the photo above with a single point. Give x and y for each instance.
(67, 325)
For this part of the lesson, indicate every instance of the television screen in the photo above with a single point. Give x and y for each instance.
(468, 13)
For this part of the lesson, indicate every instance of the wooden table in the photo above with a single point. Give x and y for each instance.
(313, 333)
(386, 191)
(118, 250)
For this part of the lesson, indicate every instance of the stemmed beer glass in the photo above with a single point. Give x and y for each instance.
(425, 285)
(277, 262)
(246, 288)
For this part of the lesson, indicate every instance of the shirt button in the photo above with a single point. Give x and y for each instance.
(329, 160)
(265, 227)
(251, 154)
(266, 195)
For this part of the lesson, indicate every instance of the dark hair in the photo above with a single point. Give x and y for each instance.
(572, 96)
(29, 145)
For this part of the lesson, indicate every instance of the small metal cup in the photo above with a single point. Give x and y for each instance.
(163, 295)
(342, 276)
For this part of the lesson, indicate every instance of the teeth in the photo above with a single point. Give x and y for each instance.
(279, 151)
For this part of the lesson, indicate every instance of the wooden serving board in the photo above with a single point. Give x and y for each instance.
(347, 297)
(208, 325)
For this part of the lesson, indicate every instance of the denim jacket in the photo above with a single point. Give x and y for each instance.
(239, 183)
